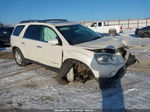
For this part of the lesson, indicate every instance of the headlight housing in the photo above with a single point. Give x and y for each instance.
(107, 58)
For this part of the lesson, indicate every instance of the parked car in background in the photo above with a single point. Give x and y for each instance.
(102, 27)
(143, 32)
(5, 33)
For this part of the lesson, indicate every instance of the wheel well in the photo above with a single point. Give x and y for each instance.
(82, 71)
(14, 48)
(75, 61)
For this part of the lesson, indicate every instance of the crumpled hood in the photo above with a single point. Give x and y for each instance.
(102, 43)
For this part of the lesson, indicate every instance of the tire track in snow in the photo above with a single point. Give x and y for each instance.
(10, 74)
(29, 82)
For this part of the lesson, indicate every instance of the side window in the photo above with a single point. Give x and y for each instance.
(99, 24)
(33, 32)
(48, 34)
(93, 25)
(18, 30)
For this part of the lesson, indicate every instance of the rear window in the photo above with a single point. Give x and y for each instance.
(18, 30)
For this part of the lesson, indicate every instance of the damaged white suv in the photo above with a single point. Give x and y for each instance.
(79, 52)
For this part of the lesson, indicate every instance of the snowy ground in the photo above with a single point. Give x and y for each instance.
(36, 87)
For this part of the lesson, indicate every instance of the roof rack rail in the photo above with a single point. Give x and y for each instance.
(62, 20)
(43, 21)
(30, 21)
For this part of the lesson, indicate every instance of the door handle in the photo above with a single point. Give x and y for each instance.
(39, 46)
(22, 42)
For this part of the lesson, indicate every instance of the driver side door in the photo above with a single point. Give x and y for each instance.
(49, 54)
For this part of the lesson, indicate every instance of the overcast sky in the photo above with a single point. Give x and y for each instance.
(13, 11)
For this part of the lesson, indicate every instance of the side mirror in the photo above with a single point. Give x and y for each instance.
(53, 42)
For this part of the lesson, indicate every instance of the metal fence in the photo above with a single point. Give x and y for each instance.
(126, 24)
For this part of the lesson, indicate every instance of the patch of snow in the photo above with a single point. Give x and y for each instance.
(5, 49)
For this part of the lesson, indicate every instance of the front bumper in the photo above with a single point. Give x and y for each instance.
(113, 71)
(131, 60)
(105, 83)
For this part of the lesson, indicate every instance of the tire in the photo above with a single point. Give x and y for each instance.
(64, 72)
(73, 70)
(145, 35)
(70, 75)
(19, 58)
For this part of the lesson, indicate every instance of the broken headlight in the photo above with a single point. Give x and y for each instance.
(108, 59)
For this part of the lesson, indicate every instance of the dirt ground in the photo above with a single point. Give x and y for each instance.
(6, 55)
(143, 66)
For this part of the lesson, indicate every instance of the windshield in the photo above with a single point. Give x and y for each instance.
(76, 34)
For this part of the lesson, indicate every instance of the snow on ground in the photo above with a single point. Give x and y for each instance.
(5, 49)
(34, 86)
(132, 39)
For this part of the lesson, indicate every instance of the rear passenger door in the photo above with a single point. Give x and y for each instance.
(30, 40)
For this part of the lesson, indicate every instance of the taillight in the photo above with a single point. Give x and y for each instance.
(120, 27)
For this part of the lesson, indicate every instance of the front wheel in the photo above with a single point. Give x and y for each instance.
(73, 70)
(19, 58)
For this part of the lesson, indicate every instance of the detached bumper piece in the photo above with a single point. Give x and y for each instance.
(131, 60)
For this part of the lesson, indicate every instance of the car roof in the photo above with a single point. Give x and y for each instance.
(63, 23)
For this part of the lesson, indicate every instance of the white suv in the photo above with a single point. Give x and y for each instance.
(79, 52)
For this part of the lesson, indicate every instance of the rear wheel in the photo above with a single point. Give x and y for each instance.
(19, 58)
